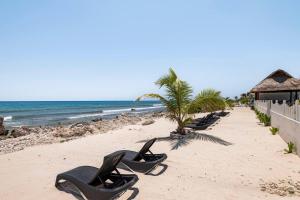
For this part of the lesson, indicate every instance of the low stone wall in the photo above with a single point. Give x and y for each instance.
(284, 117)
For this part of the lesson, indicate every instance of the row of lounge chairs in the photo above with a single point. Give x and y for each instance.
(222, 114)
(107, 182)
(205, 122)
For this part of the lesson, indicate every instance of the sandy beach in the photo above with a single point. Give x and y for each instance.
(199, 170)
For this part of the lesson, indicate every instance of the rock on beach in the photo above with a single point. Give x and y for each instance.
(22, 137)
(2, 129)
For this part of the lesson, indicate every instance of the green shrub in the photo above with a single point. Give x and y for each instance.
(274, 130)
(244, 100)
(256, 111)
(291, 147)
(263, 118)
(266, 120)
(260, 117)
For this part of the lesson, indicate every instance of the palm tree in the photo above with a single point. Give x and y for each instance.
(179, 102)
(209, 100)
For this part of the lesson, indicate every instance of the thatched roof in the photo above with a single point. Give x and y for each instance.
(279, 80)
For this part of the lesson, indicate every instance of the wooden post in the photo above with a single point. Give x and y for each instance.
(256, 95)
(297, 107)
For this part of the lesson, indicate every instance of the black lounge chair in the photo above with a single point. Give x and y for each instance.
(143, 161)
(96, 184)
(223, 114)
(198, 127)
(205, 119)
(200, 120)
(203, 123)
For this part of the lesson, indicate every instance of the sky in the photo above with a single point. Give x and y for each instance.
(116, 50)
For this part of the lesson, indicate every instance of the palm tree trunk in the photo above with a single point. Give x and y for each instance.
(180, 128)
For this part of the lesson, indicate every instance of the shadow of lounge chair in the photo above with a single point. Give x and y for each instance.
(96, 184)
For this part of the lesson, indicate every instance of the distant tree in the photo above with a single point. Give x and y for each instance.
(236, 98)
(244, 95)
(244, 100)
(229, 103)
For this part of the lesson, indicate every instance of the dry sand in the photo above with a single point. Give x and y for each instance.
(199, 170)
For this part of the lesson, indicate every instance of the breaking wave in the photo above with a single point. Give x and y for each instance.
(115, 111)
(8, 118)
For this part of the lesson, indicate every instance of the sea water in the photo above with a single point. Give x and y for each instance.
(39, 113)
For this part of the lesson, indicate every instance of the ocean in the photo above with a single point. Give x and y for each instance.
(40, 113)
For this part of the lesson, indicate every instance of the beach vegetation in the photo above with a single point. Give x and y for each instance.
(291, 148)
(208, 100)
(263, 118)
(229, 103)
(244, 100)
(266, 120)
(274, 130)
(179, 101)
(236, 99)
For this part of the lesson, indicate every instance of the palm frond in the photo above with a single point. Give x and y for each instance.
(208, 138)
(168, 79)
(180, 142)
(208, 100)
(153, 96)
(209, 93)
(184, 140)
(187, 120)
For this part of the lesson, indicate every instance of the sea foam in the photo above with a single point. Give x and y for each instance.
(8, 118)
(116, 111)
(86, 115)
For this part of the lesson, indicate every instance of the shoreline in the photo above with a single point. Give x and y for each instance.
(44, 113)
(75, 120)
(26, 136)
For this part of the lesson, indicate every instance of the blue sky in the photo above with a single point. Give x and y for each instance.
(111, 50)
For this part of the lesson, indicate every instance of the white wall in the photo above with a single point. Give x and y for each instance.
(284, 117)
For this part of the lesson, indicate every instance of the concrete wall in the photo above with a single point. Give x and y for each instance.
(263, 106)
(284, 117)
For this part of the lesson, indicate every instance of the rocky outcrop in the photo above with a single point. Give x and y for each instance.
(158, 114)
(148, 122)
(75, 130)
(97, 120)
(19, 138)
(2, 129)
(79, 125)
(79, 131)
(19, 132)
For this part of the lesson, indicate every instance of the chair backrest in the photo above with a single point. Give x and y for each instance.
(110, 163)
(145, 148)
(204, 118)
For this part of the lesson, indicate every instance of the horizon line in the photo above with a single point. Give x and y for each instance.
(69, 100)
